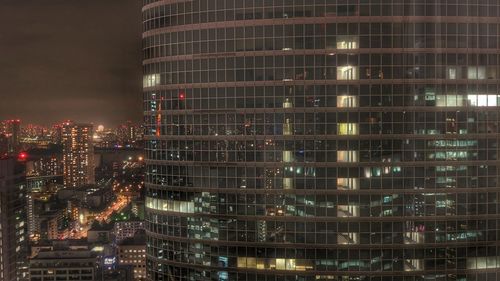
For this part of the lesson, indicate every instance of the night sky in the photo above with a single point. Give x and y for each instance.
(70, 59)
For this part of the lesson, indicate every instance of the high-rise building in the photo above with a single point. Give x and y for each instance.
(322, 140)
(4, 145)
(13, 226)
(78, 155)
(56, 134)
(13, 130)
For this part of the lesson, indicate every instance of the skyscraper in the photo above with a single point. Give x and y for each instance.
(13, 226)
(78, 155)
(322, 140)
(13, 129)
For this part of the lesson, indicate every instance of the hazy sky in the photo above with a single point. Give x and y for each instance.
(70, 59)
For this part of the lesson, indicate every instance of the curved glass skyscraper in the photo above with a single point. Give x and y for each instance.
(322, 139)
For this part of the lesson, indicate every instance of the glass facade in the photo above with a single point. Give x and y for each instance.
(322, 139)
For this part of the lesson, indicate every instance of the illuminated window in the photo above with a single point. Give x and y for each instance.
(347, 42)
(347, 129)
(414, 264)
(476, 72)
(288, 156)
(483, 100)
(274, 264)
(414, 237)
(430, 95)
(448, 155)
(347, 156)
(345, 211)
(347, 73)
(151, 80)
(287, 103)
(170, 205)
(449, 100)
(373, 172)
(483, 262)
(280, 264)
(348, 238)
(347, 101)
(287, 183)
(347, 184)
(450, 168)
(452, 73)
(287, 128)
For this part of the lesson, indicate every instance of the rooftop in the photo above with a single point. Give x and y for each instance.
(64, 254)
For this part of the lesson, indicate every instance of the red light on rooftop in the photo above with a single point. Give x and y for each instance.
(22, 156)
(182, 96)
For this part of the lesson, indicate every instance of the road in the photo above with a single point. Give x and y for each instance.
(104, 216)
(117, 206)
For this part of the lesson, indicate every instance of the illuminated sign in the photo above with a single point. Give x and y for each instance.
(109, 261)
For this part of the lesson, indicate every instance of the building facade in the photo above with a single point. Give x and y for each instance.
(13, 225)
(132, 252)
(64, 265)
(14, 136)
(126, 229)
(78, 155)
(322, 140)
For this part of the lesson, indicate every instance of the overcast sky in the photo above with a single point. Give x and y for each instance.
(70, 59)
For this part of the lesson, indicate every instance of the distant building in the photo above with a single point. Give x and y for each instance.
(64, 265)
(78, 155)
(51, 225)
(126, 229)
(100, 233)
(56, 135)
(127, 133)
(132, 252)
(138, 208)
(50, 165)
(44, 168)
(51, 245)
(13, 130)
(13, 226)
(92, 196)
(4, 144)
(36, 213)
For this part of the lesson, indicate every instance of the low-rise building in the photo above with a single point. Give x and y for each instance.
(64, 265)
(100, 233)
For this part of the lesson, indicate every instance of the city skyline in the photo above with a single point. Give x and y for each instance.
(71, 159)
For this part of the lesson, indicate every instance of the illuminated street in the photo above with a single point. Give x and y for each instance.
(120, 203)
(117, 206)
